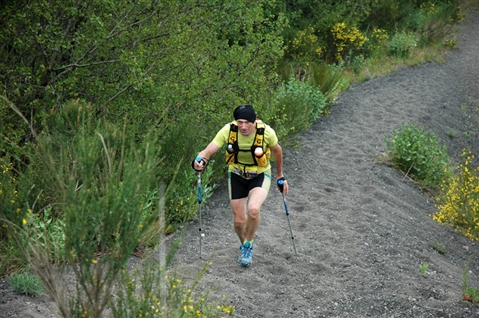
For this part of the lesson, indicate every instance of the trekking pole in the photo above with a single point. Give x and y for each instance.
(281, 185)
(200, 198)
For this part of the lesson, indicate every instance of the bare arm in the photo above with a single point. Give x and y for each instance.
(278, 160)
(205, 154)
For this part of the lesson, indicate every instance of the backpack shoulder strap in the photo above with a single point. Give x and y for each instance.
(233, 135)
(258, 139)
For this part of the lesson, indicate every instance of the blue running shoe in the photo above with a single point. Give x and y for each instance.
(247, 256)
(240, 253)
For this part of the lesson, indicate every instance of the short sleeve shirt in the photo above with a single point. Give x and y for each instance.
(245, 142)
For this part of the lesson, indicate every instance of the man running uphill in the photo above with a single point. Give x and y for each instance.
(249, 145)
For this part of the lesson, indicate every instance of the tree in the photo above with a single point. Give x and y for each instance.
(134, 57)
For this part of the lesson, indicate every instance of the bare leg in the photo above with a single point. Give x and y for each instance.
(257, 196)
(239, 213)
(246, 223)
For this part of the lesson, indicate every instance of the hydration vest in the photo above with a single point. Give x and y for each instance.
(233, 148)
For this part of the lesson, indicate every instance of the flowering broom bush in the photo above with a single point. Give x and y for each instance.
(347, 40)
(459, 206)
(156, 292)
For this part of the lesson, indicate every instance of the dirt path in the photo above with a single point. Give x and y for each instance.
(361, 230)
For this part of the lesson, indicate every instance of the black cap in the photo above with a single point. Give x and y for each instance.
(245, 112)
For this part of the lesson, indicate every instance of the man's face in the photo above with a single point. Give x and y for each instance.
(245, 127)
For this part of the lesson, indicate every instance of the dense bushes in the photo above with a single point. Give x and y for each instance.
(103, 106)
(136, 69)
(336, 32)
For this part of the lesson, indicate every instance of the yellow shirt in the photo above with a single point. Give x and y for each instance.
(245, 142)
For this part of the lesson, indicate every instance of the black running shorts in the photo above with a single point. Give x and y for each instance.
(240, 187)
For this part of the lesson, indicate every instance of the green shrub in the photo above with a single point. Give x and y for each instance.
(440, 248)
(415, 20)
(438, 21)
(418, 154)
(301, 103)
(12, 257)
(356, 63)
(26, 283)
(182, 197)
(329, 78)
(179, 143)
(49, 232)
(402, 44)
(389, 14)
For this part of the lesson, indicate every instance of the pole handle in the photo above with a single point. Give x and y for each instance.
(281, 184)
(199, 159)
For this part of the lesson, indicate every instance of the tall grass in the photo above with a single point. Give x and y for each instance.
(83, 206)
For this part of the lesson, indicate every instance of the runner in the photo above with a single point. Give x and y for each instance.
(249, 145)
